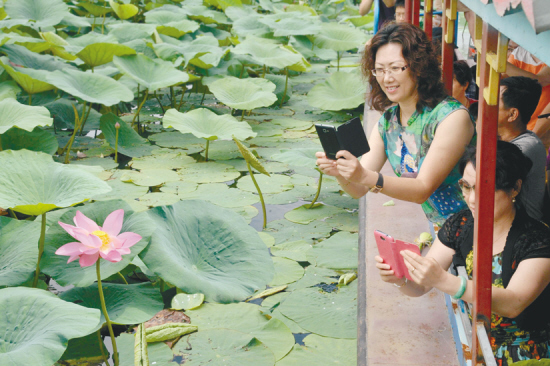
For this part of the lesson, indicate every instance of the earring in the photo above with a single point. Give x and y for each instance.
(514, 200)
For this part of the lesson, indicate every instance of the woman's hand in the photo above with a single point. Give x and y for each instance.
(425, 271)
(350, 167)
(386, 273)
(326, 165)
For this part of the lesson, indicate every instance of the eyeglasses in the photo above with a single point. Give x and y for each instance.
(394, 70)
(466, 188)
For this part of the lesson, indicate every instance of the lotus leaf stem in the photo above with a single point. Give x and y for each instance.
(318, 190)
(203, 94)
(104, 16)
(242, 116)
(30, 99)
(172, 104)
(206, 151)
(1, 143)
(158, 100)
(265, 70)
(104, 310)
(123, 279)
(85, 118)
(40, 250)
(12, 213)
(161, 285)
(286, 86)
(116, 143)
(105, 359)
(183, 90)
(242, 72)
(338, 60)
(145, 95)
(67, 148)
(259, 193)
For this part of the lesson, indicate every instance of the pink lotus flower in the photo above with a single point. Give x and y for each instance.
(95, 241)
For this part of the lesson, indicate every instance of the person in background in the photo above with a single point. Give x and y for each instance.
(518, 99)
(520, 323)
(422, 131)
(462, 78)
(400, 11)
(386, 10)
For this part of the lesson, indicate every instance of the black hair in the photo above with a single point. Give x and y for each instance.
(522, 93)
(400, 3)
(462, 72)
(511, 165)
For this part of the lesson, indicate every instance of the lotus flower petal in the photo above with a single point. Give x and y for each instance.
(113, 222)
(128, 239)
(85, 223)
(87, 260)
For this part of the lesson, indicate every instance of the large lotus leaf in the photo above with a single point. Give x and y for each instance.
(203, 52)
(206, 16)
(267, 52)
(211, 347)
(39, 13)
(165, 161)
(154, 199)
(286, 271)
(246, 318)
(91, 348)
(250, 25)
(36, 325)
(91, 38)
(20, 55)
(200, 247)
(206, 124)
(244, 94)
(9, 89)
(284, 230)
(337, 252)
(37, 140)
(18, 250)
(292, 24)
(129, 141)
(165, 15)
(127, 32)
(273, 184)
(178, 28)
(223, 150)
(340, 91)
(159, 353)
(299, 157)
(101, 53)
(220, 194)
(149, 177)
(176, 140)
(95, 10)
(304, 214)
(319, 350)
(126, 304)
(93, 88)
(208, 173)
(306, 47)
(314, 276)
(179, 188)
(124, 11)
(122, 190)
(13, 113)
(65, 273)
(28, 83)
(295, 250)
(331, 314)
(340, 37)
(31, 183)
(62, 111)
(149, 74)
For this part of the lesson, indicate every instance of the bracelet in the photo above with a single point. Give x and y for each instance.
(462, 289)
(403, 285)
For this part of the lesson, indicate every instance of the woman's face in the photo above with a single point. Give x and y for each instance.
(503, 199)
(398, 87)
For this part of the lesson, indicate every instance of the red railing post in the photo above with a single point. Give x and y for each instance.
(428, 17)
(448, 17)
(416, 12)
(408, 11)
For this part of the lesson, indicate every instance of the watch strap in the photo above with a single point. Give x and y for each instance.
(379, 184)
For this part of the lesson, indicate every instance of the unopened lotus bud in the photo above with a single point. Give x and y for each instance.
(117, 125)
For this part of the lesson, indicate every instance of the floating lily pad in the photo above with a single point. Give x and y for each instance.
(337, 252)
(200, 247)
(268, 239)
(295, 250)
(187, 301)
(298, 157)
(223, 150)
(121, 190)
(273, 184)
(268, 292)
(331, 314)
(176, 140)
(315, 276)
(285, 231)
(322, 351)
(145, 302)
(247, 212)
(179, 187)
(286, 271)
(304, 214)
(246, 318)
(345, 221)
(105, 163)
(159, 353)
(154, 199)
(296, 194)
(165, 161)
(18, 250)
(208, 173)
(149, 177)
(220, 194)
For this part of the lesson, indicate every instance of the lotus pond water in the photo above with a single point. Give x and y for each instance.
(195, 118)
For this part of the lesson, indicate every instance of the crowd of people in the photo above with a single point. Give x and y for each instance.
(428, 137)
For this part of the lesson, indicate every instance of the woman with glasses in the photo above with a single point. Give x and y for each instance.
(422, 132)
(520, 324)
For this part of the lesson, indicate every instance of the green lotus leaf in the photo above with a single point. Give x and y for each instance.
(13, 113)
(246, 318)
(163, 15)
(128, 191)
(101, 53)
(340, 91)
(292, 24)
(208, 173)
(331, 314)
(337, 252)
(223, 150)
(149, 177)
(178, 28)
(203, 52)
(280, 82)
(206, 124)
(149, 74)
(26, 175)
(9, 89)
(297, 157)
(159, 353)
(123, 11)
(304, 214)
(62, 111)
(18, 250)
(20, 55)
(65, 273)
(315, 276)
(126, 304)
(28, 83)
(91, 38)
(37, 140)
(235, 348)
(267, 52)
(186, 301)
(91, 348)
(165, 161)
(286, 271)
(249, 157)
(105, 163)
(200, 247)
(220, 194)
(48, 324)
(285, 231)
(244, 94)
(176, 140)
(129, 141)
(154, 199)
(295, 250)
(179, 188)
(345, 221)
(319, 350)
(340, 37)
(95, 10)
(250, 26)
(306, 47)
(224, 4)
(273, 184)
(206, 15)
(93, 88)
(127, 32)
(39, 13)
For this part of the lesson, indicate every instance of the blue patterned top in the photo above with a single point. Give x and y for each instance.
(407, 146)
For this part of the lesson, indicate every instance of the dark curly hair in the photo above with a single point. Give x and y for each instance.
(419, 54)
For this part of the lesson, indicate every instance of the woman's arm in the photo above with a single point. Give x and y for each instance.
(365, 7)
(451, 138)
